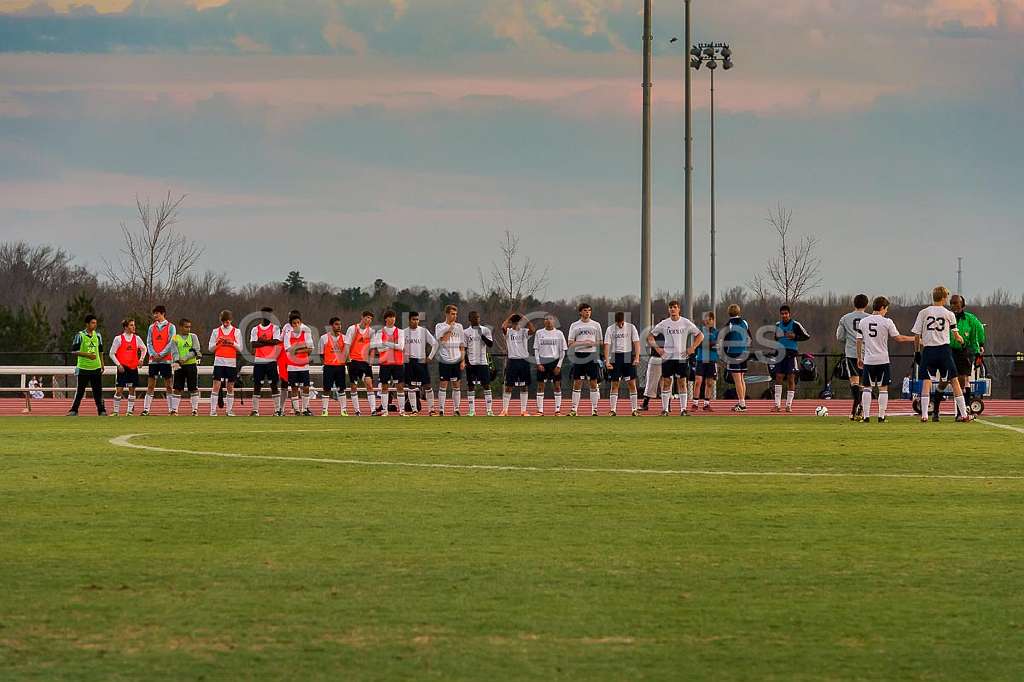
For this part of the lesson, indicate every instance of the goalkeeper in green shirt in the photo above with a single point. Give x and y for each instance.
(973, 333)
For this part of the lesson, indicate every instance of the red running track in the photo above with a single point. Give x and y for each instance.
(837, 408)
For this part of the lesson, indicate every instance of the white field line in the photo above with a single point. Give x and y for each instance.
(125, 442)
(1007, 427)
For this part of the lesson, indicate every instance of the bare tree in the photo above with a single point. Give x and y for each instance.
(795, 269)
(514, 278)
(156, 260)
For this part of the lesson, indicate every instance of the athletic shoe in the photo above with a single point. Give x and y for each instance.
(539, 414)
(636, 413)
(457, 413)
(924, 420)
(72, 413)
(966, 419)
(101, 414)
(684, 413)
(593, 413)
(776, 409)
(254, 413)
(433, 413)
(881, 420)
(646, 404)
(172, 413)
(503, 413)
(278, 413)
(144, 413)
(526, 414)
(935, 417)
(739, 408)
(226, 414)
(708, 408)
(344, 413)
(305, 413)
(664, 413)
(789, 409)
(325, 413)
(572, 413)
(612, 414)
(112, 414)
(490, 413)
(195, 413)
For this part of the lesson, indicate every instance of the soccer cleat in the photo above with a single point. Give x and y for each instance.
(664, 413)
(776, 409)
(636, 413)
(113, 414)
(935, 417)
(358, 413)
(924, 420)
(526, 414)
(708, 408)
(572, 413)
(254, 413)
(195, 413)
(457, 413)
(144, 413)
(646, 404)
(612, 413)
(503, 413)
(433, 413)
(789, 409)
(101, 414)
(490, 413)
(325, 413)
(965, 419)
(305, 413)
(684, 413)
(226, 414)
(344, 413)
(278, 413)
(172, 413)
(72, 413)
(739, 408)
(593, 413)
(881, 420)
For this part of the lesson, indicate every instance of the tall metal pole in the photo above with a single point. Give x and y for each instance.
(688, 210)
(645, 211)
(960, 276)
(713, 299)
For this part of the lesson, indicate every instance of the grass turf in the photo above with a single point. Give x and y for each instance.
(122, 564)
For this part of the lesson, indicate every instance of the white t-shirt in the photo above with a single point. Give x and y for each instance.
(933, 325)
(232, 332)
(254, 337)
(416, 341)
(621, 339)
(677, 334)
(451, 348)
(517, 343)
(385, 339)
(587, 336)
(549, 346)
(875, 331)
(476, 349)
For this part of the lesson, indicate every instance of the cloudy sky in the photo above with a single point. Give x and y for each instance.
(356, 139)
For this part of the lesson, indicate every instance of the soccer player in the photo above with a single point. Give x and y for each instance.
(358, 338)
(161, 355)
(518, 331)
(736, 348)
(707, 363)
(225, 343)
(873, 334)
(297, 342)
(549, 347)
(187, 354)
(677, 330)
(584, 340)
(390, 346)
(846, 333)
(652, 382)
(332, 350)
(265, 339)
(417, 367)
(788, 334)
(933, 328)
(87, 347)
(478, 370)
(452, 339)
(964, 354)
(127, 352)
(621, 357)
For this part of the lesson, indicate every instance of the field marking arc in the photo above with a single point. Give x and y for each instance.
(124, 441)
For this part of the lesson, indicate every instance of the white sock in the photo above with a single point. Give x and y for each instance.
(472, 402)
(684, 401)
(147, 402)
(343, 400)
(456, 400)
(778, 395)
(355, 399)
(558, 399)
(488, 399)
(278, 401)
(961, 405)
(295, 405)
(926, 398)
(305, 402)
(371, 398)
(131, 401)
(194, 400)
(613, 399)
(576, 395)
(883, 402)
(634, 401)
(540, 399)
(506, 398)
(326, 403)
(789, 398)
(414, 398)
(117, 405)
(524, 396)
(865, 403)
(229, 402)
(666, 400)
(385, 399)
(595, 396)
(213, 404)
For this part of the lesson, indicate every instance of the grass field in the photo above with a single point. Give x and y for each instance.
(121, 563)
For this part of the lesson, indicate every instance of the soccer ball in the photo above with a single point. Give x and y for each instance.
(821, 411)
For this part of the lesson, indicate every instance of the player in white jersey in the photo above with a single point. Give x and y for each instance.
(298, 345)
(584, 340)
(417, 363)
(452, 358)
(225, 344)
(873, 335)
(389, 342)
(677, 331)
(933, 327)
(549, 347)
(846, 333)
(478, 369)
(621, 358)
(518, 331)
(332, 349)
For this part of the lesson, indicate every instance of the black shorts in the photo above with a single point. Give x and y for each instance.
(127, 377)
(786, 365)
(546, 372)
(964, 360)
(160, 369)
(848, 369)
(937, 364)
(517, 372)
(299, 377)
(334, 378)
(392, 374)
(186, 376)
(478, 375)
(675, 369)
(264, 373)
(417, 373)
(449, 371)
(707, 370)
(585, 369)
(224, 373)
(358, 370)
(623, 368)
(735, 366)
(876, 375)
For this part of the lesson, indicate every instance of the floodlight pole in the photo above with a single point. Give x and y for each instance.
(645, 210)
(688, 209)
(713, 257)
